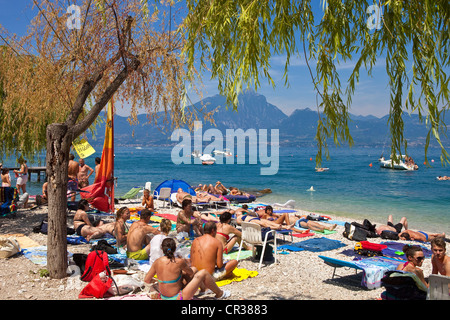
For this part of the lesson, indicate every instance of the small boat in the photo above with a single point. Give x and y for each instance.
(226, 152)
(397, 165)
(207, 159)
(322, 169)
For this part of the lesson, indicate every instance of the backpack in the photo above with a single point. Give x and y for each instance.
(355, 233)
(96, 262)
(401, 286)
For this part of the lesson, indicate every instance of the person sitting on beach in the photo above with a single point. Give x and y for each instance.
(391, 227)
(87, 227)
(439, 260)
(224, 230)
(147, 201)
(177, 281)
(165, 226)
(415, 257)
(138, 242)
(419, 235)
(121, 226)
(304, 222)
(185, 223)
(207, 253)
(6, 178)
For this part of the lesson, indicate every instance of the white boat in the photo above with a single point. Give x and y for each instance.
(207, 159)
(399, 165)
(226, 152)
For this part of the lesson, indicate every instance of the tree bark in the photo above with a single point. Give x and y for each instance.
(59, 140)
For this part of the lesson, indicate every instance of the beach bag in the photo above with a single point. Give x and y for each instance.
(96, 262)
(264, 231)
(401, 286)
(389, 235)
(268, 253)
(97, 287)
(355, 233)
(8, 247)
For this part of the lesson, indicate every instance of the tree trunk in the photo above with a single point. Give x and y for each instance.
(58, 146)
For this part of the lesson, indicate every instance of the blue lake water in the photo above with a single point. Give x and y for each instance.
(350, 187)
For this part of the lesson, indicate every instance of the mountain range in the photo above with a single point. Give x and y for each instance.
(297, 129)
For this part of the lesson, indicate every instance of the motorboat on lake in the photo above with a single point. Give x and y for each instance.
(225, 152)
(402, 163)
(207, 159)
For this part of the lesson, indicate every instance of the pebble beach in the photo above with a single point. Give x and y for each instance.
(295, 276)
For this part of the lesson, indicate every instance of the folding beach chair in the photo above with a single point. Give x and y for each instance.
(251, 233)
(132, 194)
(164, 194)
(439, 287)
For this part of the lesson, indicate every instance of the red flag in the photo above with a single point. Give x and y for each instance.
(101, 192)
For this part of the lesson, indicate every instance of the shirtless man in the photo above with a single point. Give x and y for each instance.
(138, 243)
(84, 173)
(201, 197)
(72, 172)
(207, 253)
(391, 227)
(440, 261)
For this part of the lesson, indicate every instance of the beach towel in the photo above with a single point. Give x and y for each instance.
(233, 255)
(303, 235)
(23, 240)
(394, 250)
(374, 269)
(38, 255)
(290, 247)
(238, 274)
(319, 244)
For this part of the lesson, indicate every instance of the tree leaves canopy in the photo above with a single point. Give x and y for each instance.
(237, 39)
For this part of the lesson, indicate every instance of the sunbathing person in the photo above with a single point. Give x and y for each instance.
(224, 230)
(262, 222)
(177, 281)
(138, 242)
(391, 227)
(87, 227)
(267, 213)
(121, 227)
(439, 260)
(221, 188)
(415, 257)
(200, 197)
(207, 254)
(419, 235)
(304, 222)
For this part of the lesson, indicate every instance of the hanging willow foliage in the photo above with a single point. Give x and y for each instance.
(42, 74)
(236, 39)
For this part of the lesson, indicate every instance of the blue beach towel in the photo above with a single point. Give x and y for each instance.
(314, 245)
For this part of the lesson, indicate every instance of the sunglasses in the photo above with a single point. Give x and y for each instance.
(420, 258)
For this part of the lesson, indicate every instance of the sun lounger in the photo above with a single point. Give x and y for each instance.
(133, 193)
(374, 268)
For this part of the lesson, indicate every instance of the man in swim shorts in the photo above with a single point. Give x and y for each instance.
(138, 240)
(391, 227)
(207, 253)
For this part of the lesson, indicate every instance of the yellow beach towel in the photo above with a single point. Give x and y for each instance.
(237, 275)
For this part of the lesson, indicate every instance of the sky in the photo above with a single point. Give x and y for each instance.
(371, 95)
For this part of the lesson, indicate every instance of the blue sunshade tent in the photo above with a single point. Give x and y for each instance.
(175, 185)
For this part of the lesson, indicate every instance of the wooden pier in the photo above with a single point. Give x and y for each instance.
(37, 170)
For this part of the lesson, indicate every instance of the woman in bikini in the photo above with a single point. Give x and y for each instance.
(121, 227)
(224, 230)
(177, 281)
(85, 227)
(415, 257)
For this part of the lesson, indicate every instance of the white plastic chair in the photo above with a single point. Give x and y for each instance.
(251, 234)
(164, 194)
(439, 287)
